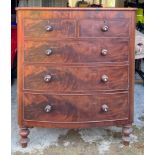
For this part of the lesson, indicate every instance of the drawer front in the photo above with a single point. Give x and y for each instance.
(75, 78)
(104, 28)
(76, 108)
(54, 28)
(77, 51)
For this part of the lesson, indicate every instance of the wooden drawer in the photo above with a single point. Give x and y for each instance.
(77, 51)
(75, 107)
(103, 28)
(53, 28)
(75, 78)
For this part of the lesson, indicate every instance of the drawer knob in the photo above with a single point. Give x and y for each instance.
(105, 108)
(104, 52)
(48, 108)
(47, 78)
(49, 28)
(48, 51)
(105, 28)
(104, 78)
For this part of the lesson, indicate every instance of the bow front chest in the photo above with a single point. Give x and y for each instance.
(75, 68)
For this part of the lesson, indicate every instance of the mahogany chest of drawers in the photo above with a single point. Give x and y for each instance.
(75, 68)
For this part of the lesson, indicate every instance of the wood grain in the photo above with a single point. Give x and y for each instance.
(20, 59)
(92, 28)
(76, 13)
(73, 9)
(132, 66)
(74, 78)
(75, 108)
(76, 65)
(77, 51)
(61, 28)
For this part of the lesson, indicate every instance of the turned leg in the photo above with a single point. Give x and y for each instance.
(24, 132)
(126, 131)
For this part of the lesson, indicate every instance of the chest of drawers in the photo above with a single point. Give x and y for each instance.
(75, 68)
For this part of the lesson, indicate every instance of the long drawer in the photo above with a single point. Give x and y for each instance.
(75, 78)
(52, 28)
(77, 51)
(75, 107)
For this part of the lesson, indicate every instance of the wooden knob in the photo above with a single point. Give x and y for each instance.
(49, 51)
(49, 28)
(48, 108)
(105, 108)
(47, 78)
(104, 78)
(104, 52)
(105, 28)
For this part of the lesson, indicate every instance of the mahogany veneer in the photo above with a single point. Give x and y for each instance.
(75, 68)
(77, 51)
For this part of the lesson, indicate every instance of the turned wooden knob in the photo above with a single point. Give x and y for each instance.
(49, 28)
(105, 108)
(49, 51)
(48, 108)
(105, 28)
(104, 52)
(104, 78)
(47, 78)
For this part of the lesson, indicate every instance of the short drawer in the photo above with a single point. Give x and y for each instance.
(77, 51)
(103, 28)
(75, 107)
(53, 28)
(75, 78)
